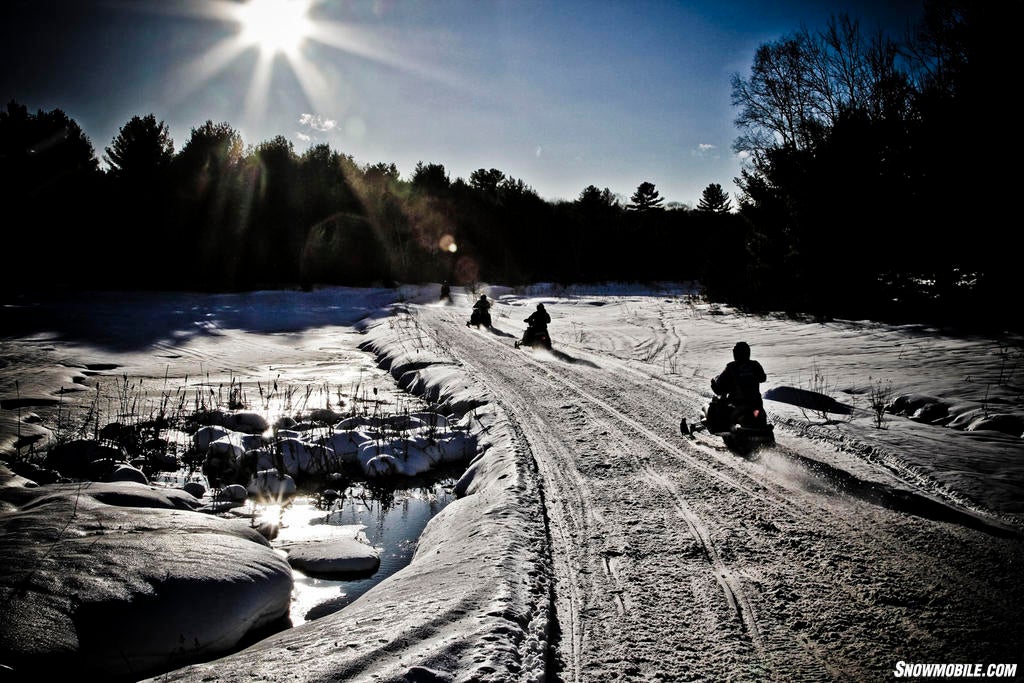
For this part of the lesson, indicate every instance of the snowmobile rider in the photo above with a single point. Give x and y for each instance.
(446, 291)
(740, 382)
(539, 319)
(536, 327)
(481, 313)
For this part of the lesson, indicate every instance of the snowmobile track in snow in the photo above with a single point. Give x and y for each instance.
(731, 586)
(680, 559)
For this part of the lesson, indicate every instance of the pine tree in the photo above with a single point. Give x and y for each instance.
(714, 200)
(646, 198)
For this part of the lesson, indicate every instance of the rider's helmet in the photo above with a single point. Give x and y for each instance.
(741, 351)
(540, 307)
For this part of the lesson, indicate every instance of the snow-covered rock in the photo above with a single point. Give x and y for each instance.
(204, 436)
(79, 458)
(413, 455)
(346, 443)
(246, 421)
(302, 457)
(105, 580)
(235, 493)
(194, 488)
(335, 557)
(271, 485)
(128, 473)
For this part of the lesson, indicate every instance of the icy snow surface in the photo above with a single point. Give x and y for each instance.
(594, 541)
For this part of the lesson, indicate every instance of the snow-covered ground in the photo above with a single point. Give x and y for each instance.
(593, 541)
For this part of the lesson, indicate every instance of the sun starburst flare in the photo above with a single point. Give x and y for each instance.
(278, 31)
(275, 26)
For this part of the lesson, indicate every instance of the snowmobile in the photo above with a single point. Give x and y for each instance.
(480, 316)
(535, 336)
(743, 428)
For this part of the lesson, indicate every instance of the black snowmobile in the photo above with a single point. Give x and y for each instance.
(535, 335)
(743, 428)
(480, 316)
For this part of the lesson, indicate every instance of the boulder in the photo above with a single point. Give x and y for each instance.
(96, 590)
(194, 488)
(336, 557)
(246, 421)
(128, 473)
(77, 459)
(270, 485)
(235, 493)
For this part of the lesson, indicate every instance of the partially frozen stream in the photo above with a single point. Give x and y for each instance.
(390, 520)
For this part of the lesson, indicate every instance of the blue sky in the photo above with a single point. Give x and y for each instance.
(559, 94)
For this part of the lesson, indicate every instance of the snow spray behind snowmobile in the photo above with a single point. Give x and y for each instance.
(743, 428)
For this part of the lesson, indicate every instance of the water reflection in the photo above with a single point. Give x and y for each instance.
(390, 519)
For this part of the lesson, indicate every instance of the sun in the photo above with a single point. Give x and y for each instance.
(277, 32)
(275, 26)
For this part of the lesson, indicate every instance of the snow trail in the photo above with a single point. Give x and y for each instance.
(679, 560)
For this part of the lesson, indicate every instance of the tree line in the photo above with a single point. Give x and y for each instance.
(867, 192)
(217, 215)
(876, 181)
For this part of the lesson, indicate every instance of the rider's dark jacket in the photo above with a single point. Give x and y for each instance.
(539, 319)
(740, 382)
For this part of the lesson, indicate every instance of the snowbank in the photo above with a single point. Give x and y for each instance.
(107, 581)
(475, 602)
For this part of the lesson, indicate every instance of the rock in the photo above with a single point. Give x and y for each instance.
(226, 459)
(909, 404)
(346, 443)
(999, 422)
(121, 494)
(324, 416)
(965, 418)
(270, 485)
(337, 557)
(204, 436)
(301, 457)
(284, 422)
(235, 493)
(194, 488)
(34, 472)
(433, 421)
(327, 498)
(931, 413)
(354, 422)
(128, 473)
(247, 422)
(76, 458)
(98, 591)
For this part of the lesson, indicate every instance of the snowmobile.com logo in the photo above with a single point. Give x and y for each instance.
(908, 670)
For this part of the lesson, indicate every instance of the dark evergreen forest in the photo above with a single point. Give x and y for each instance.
(871, 189)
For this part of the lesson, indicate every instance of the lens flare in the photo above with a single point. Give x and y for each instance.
(275, 26)
(289, 35)
(448, 244)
